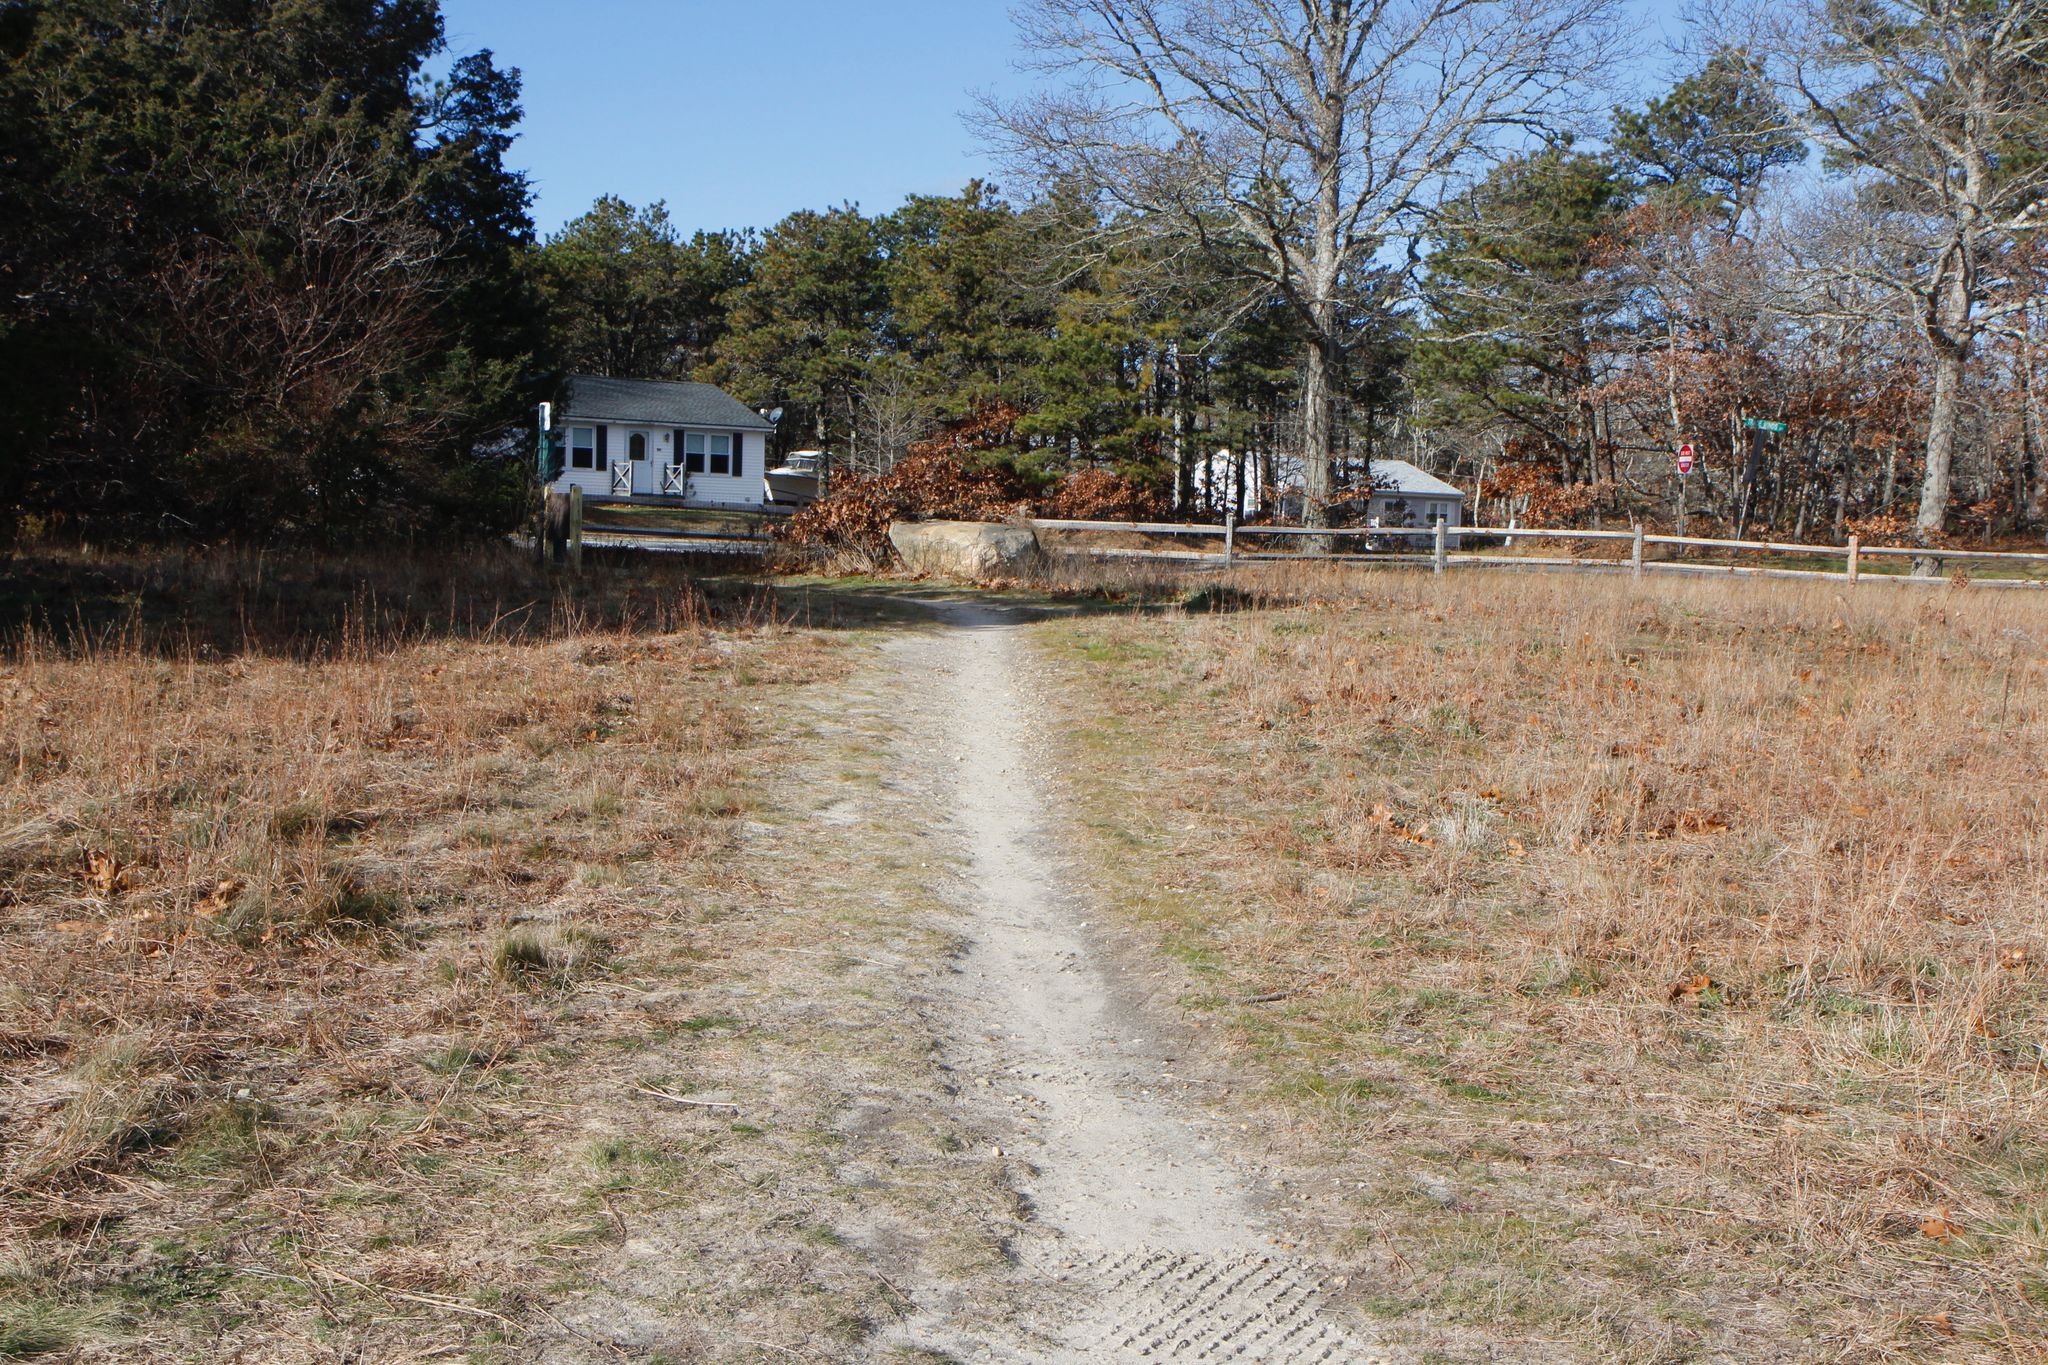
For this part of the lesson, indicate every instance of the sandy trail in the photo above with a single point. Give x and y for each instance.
(1150, 1241)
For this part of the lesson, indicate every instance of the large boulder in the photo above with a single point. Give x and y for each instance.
(973, 550)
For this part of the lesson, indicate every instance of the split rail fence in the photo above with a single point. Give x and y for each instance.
(1441, 557)
(560, 536)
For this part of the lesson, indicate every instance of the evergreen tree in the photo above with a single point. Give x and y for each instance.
(966, 306)
(1515, 301)
(261, 277)
(804, 330)
(627, 296)
(1712, 141)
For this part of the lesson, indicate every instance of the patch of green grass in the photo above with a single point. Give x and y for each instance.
(40, 1327)
(520, 953)
(715, 802)
(558, 955)
(458, 1057)
(173, 1277)
(221, 1138)
(1116, 651)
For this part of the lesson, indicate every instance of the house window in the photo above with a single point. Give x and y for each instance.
(583, 448)
(707, 452)
(636, 446)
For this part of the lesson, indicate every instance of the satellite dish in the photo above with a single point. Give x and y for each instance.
(776, 415)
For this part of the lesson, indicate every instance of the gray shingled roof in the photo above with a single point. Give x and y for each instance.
(1398, 476)
(657, 403)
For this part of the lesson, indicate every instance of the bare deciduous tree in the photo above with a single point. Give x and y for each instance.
(1313, 132)
(1938, 106)
(889, 414)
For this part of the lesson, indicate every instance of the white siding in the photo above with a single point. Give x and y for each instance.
(593, 482)
(1422, 509)
(747, 489)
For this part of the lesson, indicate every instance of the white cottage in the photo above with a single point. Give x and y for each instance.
(662, 441)
(1403, 495)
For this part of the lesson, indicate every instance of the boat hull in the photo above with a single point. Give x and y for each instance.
(792, 486)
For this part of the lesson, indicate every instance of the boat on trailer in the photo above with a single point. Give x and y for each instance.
(795, 480)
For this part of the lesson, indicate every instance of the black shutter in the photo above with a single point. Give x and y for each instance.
(739, 444)
(677, 455)
(603, 460)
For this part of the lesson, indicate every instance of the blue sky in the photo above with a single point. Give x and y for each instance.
(738, 114)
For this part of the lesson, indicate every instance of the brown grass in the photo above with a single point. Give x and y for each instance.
(303, 873)
(1664, 967)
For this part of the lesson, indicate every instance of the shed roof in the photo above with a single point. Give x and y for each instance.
(657, 402)
(1398, 476)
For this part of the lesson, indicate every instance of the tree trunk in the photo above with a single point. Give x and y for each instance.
(1318, 430)
(1846, 488)
(1943, 412)
(2031, 433)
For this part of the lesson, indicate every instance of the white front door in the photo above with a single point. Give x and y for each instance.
(644, 454)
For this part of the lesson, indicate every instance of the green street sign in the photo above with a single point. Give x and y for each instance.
(1759, 424)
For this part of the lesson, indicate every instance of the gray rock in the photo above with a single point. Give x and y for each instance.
(973, 550)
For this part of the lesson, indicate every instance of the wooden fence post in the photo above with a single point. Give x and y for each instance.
(1439, 559)
(576, 529)
(1855, 556)
(555, 527)
(1229, 539)
(1635, 553)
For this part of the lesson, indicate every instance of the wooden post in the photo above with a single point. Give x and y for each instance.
(554, 527)
(1635, 553)
(576, 529)
(1855, 556)
(1229, 539)
(1439, 559)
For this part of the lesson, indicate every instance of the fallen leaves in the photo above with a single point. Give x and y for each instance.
(1941, 1225)
(1692, 987)
(1690, 824)
(220, 898)
(1384, 818)
(105, 875)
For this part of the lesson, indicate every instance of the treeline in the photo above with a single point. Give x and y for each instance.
(262, 278)
(259, 277)
(1697, 273)
(1057, 347)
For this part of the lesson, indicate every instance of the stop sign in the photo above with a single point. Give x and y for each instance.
(1685, 458)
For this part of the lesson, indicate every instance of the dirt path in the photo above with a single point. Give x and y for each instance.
(1148, 1239)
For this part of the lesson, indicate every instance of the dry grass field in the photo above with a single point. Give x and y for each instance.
(444, 959)
(331, 898)
(1659, 972)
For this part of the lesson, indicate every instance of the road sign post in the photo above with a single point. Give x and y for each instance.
(1686, 458)
(1753, 467)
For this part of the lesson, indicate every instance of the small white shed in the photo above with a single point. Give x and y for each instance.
(1404, 495)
